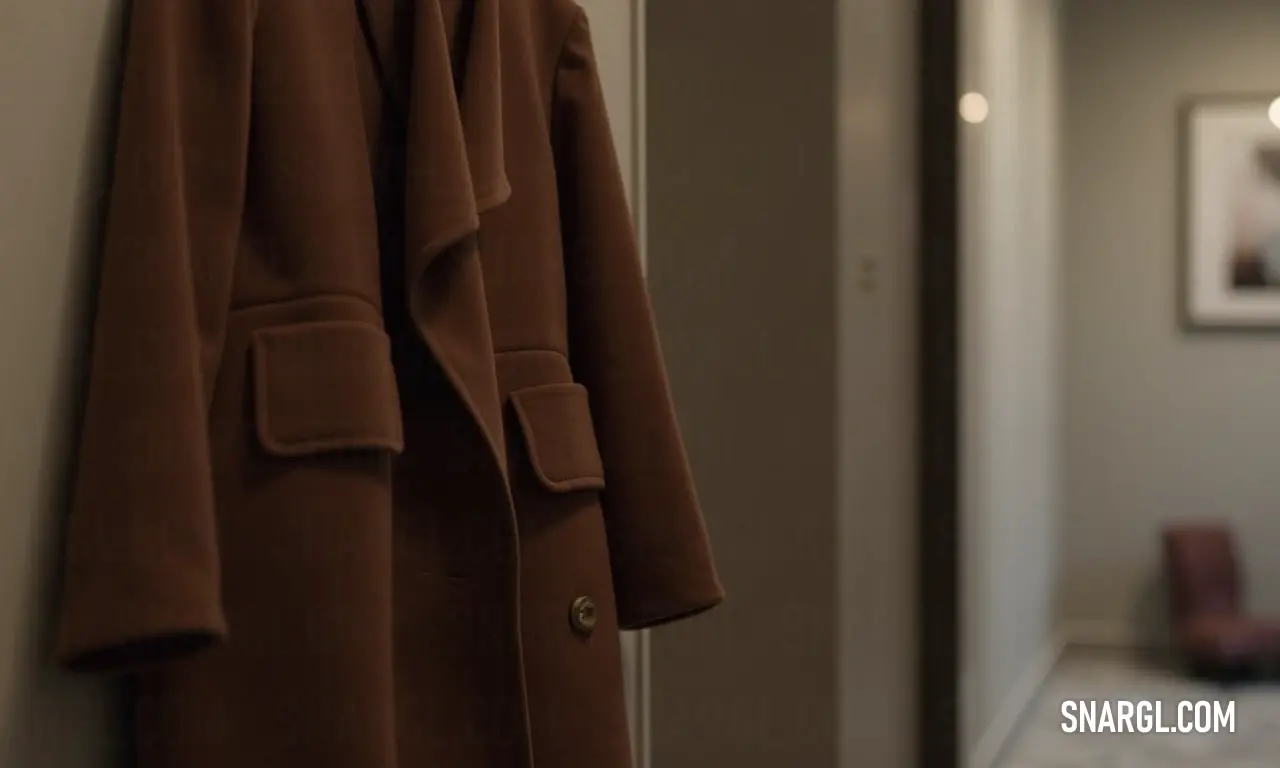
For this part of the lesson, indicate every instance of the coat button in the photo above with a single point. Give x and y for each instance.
(582, 615)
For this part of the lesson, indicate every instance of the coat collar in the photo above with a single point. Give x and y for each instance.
(480, 103)
(450, 98)
(442, 72)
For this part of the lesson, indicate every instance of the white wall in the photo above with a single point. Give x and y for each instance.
(876, 335)
(1010, 355)
(1160, 424)
(781, 257)
(741, 265)
(57, 76)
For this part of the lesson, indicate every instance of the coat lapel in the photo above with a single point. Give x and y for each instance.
(454, 173)
(480, 104)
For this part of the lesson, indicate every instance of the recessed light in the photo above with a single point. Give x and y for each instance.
(974, 107)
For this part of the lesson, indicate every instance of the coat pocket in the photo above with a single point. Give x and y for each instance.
(325, 386)
(559, 436)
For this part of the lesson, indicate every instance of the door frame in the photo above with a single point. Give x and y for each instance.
(938, 385)
(637, 655)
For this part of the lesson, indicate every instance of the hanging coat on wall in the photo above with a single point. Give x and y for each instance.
(378, 453)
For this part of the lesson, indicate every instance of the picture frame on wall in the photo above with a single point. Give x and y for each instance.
(1230, 212)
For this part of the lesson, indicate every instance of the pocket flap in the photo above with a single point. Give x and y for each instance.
(325, 386)
(561, 439)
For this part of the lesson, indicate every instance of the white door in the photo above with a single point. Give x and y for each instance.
(617, 30)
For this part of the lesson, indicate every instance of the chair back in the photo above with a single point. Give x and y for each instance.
(1202, 569)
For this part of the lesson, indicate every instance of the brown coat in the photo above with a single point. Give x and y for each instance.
(376, 398)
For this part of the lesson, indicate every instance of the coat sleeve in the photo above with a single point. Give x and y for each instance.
(661, 561)
(141, 572)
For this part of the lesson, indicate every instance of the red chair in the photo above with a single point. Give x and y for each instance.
(1211, 629)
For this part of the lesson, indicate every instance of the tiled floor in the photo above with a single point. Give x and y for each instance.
(1108, 676)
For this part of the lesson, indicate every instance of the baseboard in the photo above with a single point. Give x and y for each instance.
(1019, 699)
(1108, 635)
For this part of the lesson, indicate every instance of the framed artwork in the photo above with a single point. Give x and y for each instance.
(1231, 212)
